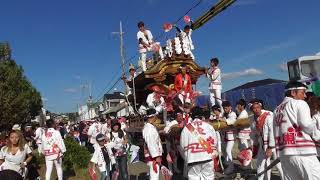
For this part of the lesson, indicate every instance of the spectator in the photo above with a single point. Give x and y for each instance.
(16, 154)
(102, 157)
(119, 142)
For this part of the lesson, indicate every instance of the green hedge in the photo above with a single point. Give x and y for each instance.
(76, 155)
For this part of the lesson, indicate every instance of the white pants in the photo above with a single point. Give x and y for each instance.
(229, 147)
(300, 167)
(144, 57)
(203, 171)
(153, 175)
(49, 166)
(263, 163)
(215, 97)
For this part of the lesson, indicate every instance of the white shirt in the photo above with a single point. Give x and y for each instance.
(316, 118)
(116, 141)
(245, 132)
(93, 131)
(187, 38)
(98, 157)
(147, 38)
(105, 130)
(152, 139)
(11, 161)
(39, 132)
(52, 144)
(230, 120)
(155, 104)
(214, 74)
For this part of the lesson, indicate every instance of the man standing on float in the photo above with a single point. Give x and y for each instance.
(214, 75)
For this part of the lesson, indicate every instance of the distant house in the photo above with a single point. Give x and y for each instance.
(271, 91)
(115, 104)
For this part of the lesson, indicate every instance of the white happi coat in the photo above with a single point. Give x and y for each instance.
(295, 131)
(52, 144)
(316, 118)
(39, 132)
(93, 131)
(245, 132)
(98, 157)
(155, 104)
(266, 137)
(105, 129)
(147, 39)
(187, 38)
(152, 141)
(190, 142)
(214, 74)
(230, 119)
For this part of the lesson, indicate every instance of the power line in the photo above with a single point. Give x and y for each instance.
(130, 59)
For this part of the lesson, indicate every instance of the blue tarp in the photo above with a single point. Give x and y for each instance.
(271, 94)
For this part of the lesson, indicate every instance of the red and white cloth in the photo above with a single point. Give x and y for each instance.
(295, 135)
(53, 145)
(152, 149)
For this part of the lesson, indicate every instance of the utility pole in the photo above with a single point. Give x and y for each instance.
(120, 33)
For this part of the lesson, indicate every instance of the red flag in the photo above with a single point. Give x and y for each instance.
(167, 27)
(186, 19)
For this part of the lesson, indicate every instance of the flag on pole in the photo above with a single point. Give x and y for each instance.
(186, 19)
(167, 27)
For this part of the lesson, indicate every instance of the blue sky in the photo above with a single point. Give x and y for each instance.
(62, 44)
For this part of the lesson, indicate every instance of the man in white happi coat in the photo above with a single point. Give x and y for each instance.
(53, 149)
(216, 117)
(230, 118)
(93, 131)
(147, 44)
(295, 135)
(186, 39)
(198, 140)
(263, 138)
(153, 147)
(215, 86)
(38, 134)
(244, 133)
(155, 100)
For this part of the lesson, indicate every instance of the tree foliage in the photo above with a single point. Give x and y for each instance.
(19, 100)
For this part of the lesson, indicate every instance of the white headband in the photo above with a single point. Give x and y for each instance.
(251, 104)
(296, 88)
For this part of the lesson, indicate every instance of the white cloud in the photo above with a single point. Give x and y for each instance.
(44, 99)
(246, 72)
(70, 90)
(283, 67)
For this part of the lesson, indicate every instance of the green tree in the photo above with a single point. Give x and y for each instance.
(19, 100)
